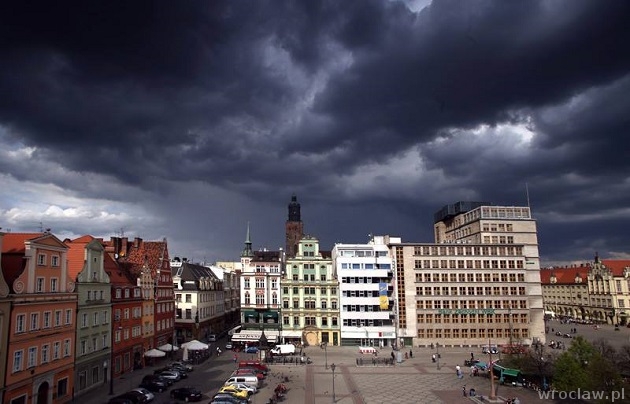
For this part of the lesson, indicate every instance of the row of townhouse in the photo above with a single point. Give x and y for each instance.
(74, 313)
(597, 291)
(479, 281)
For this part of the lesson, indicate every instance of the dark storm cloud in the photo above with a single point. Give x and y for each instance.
(323, 98)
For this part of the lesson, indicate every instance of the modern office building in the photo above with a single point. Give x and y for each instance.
(366, 292)
(479, 281)
(310, 303)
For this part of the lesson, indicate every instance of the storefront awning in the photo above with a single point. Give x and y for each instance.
(254, 336)
(291, 334)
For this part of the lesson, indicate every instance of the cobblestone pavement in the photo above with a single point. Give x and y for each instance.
(414, 380)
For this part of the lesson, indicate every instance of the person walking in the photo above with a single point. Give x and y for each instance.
(464, 390)
(410, 353)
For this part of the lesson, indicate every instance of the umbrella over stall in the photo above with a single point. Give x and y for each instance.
(168, 348)
(154, 353)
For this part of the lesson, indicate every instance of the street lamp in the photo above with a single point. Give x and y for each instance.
(493, 393)
(437, 345)
(332, 366)
(325, 345)
(105, 372)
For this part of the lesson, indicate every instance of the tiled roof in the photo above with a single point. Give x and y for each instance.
(564, 275)
(616, 266)
(76, 255)
(152, 253)
(118, 274)
(266, 256)
(14, 242)
(194, 272)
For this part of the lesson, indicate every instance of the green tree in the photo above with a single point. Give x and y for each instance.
(571, 368)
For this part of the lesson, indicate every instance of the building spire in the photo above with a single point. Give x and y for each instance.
(247, 251)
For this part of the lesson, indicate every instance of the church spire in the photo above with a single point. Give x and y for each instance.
(247, 251)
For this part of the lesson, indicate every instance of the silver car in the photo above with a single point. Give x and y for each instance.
(150, 396)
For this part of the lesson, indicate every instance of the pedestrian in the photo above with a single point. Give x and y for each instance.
(393, 356)
(472, 370)
(464, 390)
(432, 357)
(235, 358)
(472, 356)
(410, 354)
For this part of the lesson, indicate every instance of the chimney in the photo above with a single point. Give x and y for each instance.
(136, 242)
(123, 246)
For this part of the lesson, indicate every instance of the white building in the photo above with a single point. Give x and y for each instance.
(366, 289)
(479, 281)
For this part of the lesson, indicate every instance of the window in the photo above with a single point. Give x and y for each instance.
(34, 321)
(95, 318)
(66, 347)
(57, 318)
(53, 284)
(55, 260)
(17, 360)
(62, 387)
(84, 320)
(19, 323)
(47, 315)
(83, 347)
(32, 357)
(41, 259)
(39, 288)
(188, 298)
(45, 353)
(68, 316)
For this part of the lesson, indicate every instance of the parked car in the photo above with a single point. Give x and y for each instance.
(212, 338)
(182, 371)
(150, 396)
(251, 349)
(186, 393)
(261, 367)
(243, 386)
(134, 397)
(229, 345)
(225, 397)
(248, 372)
(182, 374)
(170, 375)
(186, 366)
(155, 383)
(235, 391)
(120, 400)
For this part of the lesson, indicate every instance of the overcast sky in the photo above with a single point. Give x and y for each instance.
(189, 119)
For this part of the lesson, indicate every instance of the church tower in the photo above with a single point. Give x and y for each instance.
(247, 254)
(294, 228)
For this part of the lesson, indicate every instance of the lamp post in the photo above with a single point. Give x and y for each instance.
(105, 371)
(493, 393)
(332, 366)
(437, 346)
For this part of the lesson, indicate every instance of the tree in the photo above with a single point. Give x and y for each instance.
(570, 369)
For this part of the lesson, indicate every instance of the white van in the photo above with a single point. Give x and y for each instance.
(486, 349)
(244, 379)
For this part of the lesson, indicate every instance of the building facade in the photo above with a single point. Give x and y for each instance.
(479, 282)
(609, 291)
(366, 292)
(294, 228)
(310, 302)
(260, 294)
(565, 291)
(40, 366)
(86, 257)
(200, 301)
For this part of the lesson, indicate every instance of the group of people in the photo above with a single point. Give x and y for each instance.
(513, 400)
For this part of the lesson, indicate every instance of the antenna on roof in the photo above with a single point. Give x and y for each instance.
(527, 194)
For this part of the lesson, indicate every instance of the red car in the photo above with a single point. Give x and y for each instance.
(253, 372)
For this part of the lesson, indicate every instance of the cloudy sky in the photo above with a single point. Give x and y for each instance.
(189, 119)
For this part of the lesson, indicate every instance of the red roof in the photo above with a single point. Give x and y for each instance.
(76, 255)
(616, 266)
(152, 253)
(14, 242)
(564, 275)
